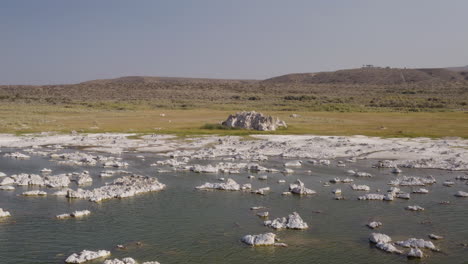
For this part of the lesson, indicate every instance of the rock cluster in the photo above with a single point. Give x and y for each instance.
(294, 221)
(253, 121)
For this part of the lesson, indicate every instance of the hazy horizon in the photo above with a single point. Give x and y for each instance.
(60, 42)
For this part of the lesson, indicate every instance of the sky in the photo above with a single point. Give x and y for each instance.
(65, 41)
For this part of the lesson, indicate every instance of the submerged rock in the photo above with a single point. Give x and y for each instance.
(414, 208)
(254, 121)
(74, 214)
(86, 255)
(435, 237)
(421, 191)
(262, 191)
(34, 193)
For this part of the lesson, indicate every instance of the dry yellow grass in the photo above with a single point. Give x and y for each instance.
(24, 118)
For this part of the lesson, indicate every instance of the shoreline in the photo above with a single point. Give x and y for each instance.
(447, 154)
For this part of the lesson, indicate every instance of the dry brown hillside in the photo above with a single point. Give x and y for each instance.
(367, 89)
(375, 76)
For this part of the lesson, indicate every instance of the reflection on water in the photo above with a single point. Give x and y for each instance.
(183, 225)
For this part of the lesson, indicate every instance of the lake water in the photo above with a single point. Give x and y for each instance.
(184, 225)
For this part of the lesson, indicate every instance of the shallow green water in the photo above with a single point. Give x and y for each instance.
(183, 225)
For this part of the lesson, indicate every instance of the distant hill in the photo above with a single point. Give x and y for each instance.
(343, 90)
(151, 79)
(458, 69)
(373, 75)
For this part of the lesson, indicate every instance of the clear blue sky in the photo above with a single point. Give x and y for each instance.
(65, 41)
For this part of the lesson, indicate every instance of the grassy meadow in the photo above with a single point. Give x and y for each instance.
(19, 118)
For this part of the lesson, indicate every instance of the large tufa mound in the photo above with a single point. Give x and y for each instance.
(254, 120)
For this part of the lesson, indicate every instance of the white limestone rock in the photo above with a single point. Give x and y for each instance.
(253, 121)
(125, 186)
(262, 191)
(267, 239)
(363, 174)
(123, 261)
(263, 214)
(360, 187)
(415, 253)
(55, 181)
(372, 196)
(416, 243)
(229, 185)
(421, 191)
(435, 237)
(82, 178)
(379, 238)
(388, 247)
(7, 188)
(414, 208)
(461, 194)
(299, 188)
(86, 255)
(34, 193)
(17, 155)
(293, 221)
(4, 213)
(374, 224)
(294, 163)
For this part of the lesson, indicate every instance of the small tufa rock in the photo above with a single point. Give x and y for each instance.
(374, 224)
(4, 213)
(435, 237)
(415, 253)
(267, 239)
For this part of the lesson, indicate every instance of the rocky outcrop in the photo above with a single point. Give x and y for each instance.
(86, 255)
(253, 121)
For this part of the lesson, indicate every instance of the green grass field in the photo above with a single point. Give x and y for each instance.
(25, 118)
